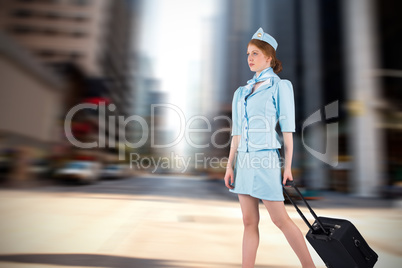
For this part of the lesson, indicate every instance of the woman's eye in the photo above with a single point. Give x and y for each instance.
(255, 54)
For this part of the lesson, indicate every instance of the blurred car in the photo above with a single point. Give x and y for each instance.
(7, 161)
(81, 171)
(6, 166)
(41, 168)
(114, 171)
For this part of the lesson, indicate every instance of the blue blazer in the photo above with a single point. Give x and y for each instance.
(254, 116)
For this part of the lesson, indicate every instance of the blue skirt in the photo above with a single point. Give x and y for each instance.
(258, 174)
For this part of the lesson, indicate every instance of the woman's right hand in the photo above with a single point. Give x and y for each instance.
(229, 177)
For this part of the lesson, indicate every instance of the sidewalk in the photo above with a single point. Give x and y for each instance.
(78, 229)
(108, 227)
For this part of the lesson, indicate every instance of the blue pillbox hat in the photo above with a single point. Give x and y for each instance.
(260, 35)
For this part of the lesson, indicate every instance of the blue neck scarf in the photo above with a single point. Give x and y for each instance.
(264, 75)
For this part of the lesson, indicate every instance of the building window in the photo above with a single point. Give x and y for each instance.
(78, 34)
(42, 1)
(80, 2)
(23, 13)
(22, 29)
(80, 18)
(27, 1)
(52, 15)
(52, 1)
(50, 31)
(46, 53)
(75, 55)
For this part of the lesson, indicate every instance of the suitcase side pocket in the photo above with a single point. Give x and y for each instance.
(363, 248)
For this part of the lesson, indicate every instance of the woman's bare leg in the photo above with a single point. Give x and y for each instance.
(292, 233)
(251, 237)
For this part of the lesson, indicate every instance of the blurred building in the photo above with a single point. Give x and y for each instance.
(116, 61)
(389, 98)
(116, 64)
(88, 43)
(95, 35)
(147, 92)
(60, 31)
(31, 98)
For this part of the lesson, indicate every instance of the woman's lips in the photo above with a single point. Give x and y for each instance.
(251, 64)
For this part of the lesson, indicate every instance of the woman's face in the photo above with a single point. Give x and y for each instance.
(257, 61)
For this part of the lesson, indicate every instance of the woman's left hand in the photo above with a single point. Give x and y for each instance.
(287, 175)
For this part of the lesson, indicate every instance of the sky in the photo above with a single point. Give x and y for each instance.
(170, 36)
(171, 39)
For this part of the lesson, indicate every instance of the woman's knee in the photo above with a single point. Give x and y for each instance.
(251, 220)
(281, 221)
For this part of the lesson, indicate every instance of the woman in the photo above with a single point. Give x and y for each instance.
(257, 108)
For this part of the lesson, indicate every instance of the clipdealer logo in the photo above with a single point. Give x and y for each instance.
(330, 156)
(185, 129)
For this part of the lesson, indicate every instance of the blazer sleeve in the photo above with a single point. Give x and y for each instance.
(285, 106)
(236, 117)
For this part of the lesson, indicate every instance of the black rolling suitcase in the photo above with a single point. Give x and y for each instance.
(337, 241)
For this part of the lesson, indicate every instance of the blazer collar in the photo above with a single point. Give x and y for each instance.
(270, 77)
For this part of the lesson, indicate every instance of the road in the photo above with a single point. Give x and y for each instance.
(160, 221)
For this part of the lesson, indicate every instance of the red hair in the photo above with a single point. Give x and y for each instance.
(268, 51)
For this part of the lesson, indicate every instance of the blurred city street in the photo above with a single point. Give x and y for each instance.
(137, 100)
(165, 221)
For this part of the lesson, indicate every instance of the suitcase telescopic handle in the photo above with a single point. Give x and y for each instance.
(292, 183)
